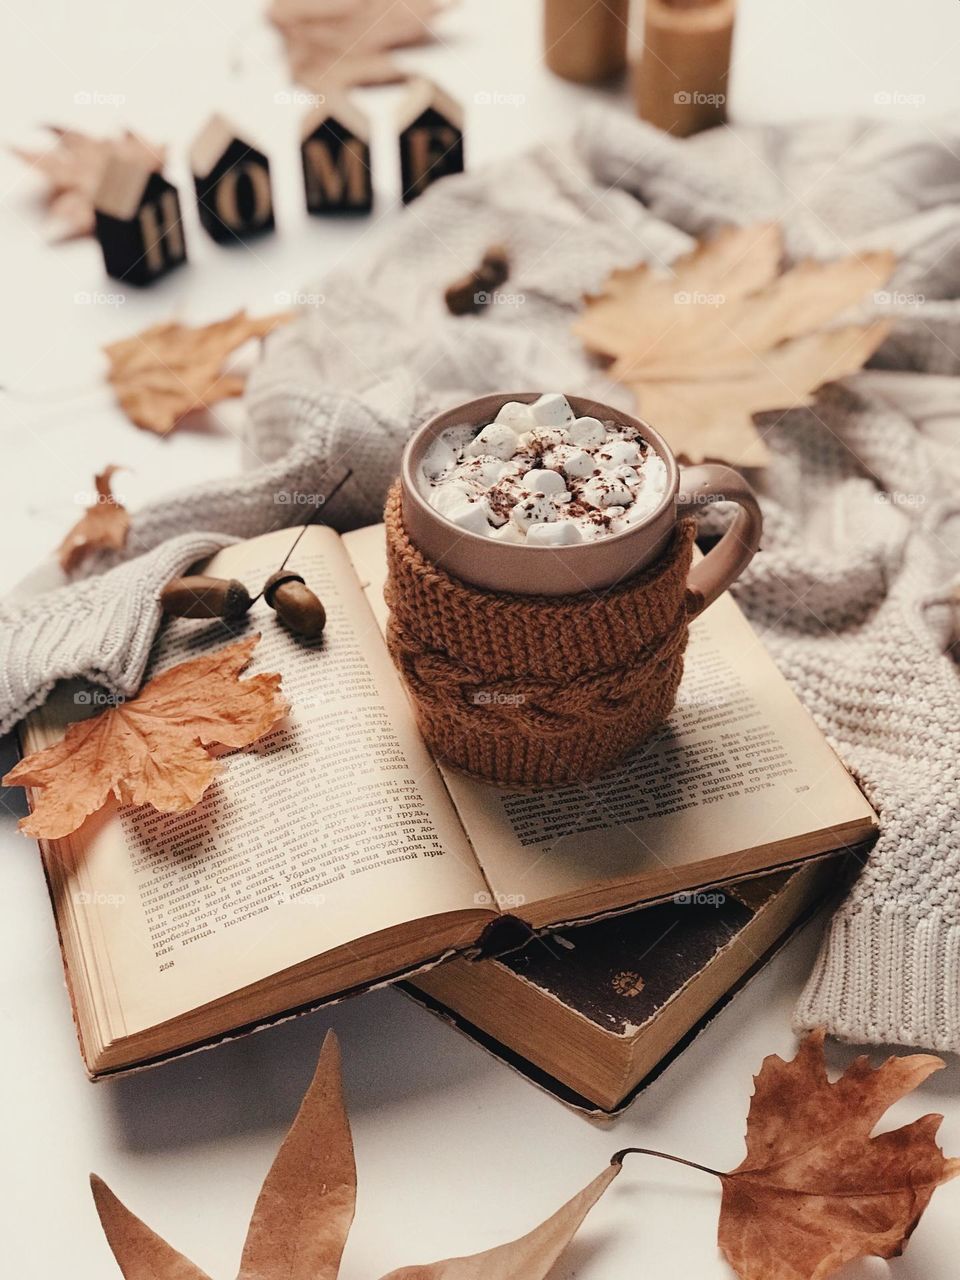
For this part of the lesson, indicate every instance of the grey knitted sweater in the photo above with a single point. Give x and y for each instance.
(851, 593)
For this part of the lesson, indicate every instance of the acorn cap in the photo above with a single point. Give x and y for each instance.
(277, 580)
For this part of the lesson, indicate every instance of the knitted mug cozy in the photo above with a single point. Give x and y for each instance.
(523, 690)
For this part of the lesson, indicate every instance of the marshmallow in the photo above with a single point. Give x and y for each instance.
(495, 441)
(606, 491)
(535, 510)
(438, 458)
(578, 465)
(454, 505)
(516, 415)
(552, 410)
(618, 452)
(559, 534)
(508, 533)
(587, 432)
(538, 481)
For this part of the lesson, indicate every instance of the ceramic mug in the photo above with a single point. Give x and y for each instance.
(585, 566)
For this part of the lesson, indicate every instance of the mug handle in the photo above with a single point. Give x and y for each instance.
(721, 566)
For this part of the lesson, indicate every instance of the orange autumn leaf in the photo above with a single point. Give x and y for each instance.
(152, 749)
(816, 1190)
(724, 335)
(168, 370)
(339, 43)
(102, 527)
(305, 1209)
(73, 167)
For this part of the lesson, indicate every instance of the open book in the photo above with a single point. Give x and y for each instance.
(335, 855)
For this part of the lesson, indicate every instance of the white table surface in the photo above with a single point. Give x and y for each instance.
(455, 1152)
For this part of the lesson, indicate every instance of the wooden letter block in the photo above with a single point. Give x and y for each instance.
(138, 223)
(335, 152)
(232, 178)
(431, 138)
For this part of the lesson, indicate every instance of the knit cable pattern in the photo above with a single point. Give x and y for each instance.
(531, 689)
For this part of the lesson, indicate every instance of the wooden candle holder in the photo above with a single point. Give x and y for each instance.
(585, 40)
(680, 82)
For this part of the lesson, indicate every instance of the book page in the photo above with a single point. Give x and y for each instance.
(739, 765)
(332, 827)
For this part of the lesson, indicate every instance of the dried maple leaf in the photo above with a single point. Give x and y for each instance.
(102, 527)
(305, 1209)
(338, 43)
(815, 1190)
(724, 336)
(73, 167)
(165, 372)
(151, 750)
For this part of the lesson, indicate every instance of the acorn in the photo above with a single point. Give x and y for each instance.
(298, 608)
(199, 596)
(475, 290)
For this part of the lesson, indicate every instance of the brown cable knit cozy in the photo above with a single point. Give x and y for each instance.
(524, 690)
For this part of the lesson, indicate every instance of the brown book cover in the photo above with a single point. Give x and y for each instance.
(594, 1014)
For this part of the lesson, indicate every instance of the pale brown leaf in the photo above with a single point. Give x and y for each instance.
(723, 336)
(303, 1213)
(815, 1190)
(140, 1253)
(73, 167)
(339, 43)
(152, 749)
(529, 1258)
(305, 1208)
(102, 527)
(168, 370)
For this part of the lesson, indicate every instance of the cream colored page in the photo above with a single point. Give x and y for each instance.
(334, 826)
(740, 764)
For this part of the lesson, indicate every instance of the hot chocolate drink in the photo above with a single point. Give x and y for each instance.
(541, 476)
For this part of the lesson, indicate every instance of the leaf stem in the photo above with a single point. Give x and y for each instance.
(618, 1156)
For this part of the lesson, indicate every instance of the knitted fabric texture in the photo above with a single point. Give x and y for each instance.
(862, 517)
(521, 690)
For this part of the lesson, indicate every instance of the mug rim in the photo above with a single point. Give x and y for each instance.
(460, 415)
